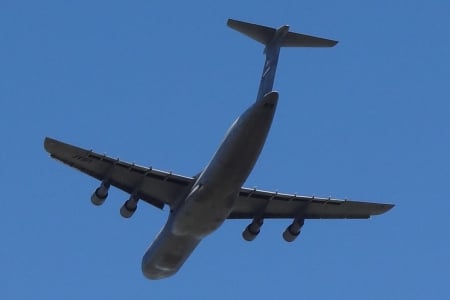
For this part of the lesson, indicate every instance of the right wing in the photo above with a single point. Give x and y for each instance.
(253, 203)
(155, 187)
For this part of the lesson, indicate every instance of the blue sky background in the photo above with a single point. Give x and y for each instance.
(159, 82)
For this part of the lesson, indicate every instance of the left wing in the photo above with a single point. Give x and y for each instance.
(155, 187)
(253, 203)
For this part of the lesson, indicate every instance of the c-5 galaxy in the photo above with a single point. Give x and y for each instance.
(200, 204)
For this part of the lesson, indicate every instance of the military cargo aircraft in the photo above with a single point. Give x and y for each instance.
(200, 204)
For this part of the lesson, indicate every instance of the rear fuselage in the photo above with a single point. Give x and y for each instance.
(211, 198)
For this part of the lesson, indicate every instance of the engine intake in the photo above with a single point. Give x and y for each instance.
(293, 230)
(100, 194)
(129, 207)
(252, 230)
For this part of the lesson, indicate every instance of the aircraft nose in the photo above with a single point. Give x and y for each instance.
(151, 271)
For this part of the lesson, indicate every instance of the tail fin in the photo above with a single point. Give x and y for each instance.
(273, 39)
(265, 35)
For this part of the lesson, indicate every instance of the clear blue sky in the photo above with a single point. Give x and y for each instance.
(159, 82)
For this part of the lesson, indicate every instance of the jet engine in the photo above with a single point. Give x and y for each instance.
(293, 230)
(100, 194)
(129, 207)
(252, 230)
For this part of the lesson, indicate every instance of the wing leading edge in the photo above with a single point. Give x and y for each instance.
(253, 203)
(155, 187)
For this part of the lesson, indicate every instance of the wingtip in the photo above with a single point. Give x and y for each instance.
(230, 22)
(384, 208)
(49, 144)
(329, 43)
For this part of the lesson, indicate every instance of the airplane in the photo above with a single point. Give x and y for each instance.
(200, 204)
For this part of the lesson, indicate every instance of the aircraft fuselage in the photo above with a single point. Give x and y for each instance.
(211, 198)
(200, 204)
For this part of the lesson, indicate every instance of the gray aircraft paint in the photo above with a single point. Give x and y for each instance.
(214, 193)
(200, 204)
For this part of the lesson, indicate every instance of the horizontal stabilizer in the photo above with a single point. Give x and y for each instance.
(259, 33)
(293, 39)
(265, 35)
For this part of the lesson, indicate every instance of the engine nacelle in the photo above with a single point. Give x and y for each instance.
(252, 230)
(100, 194)
(129, 207)
(293, 230)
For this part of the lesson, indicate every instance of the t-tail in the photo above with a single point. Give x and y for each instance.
(273, 39)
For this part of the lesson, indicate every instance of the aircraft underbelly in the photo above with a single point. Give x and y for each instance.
(203, 213)
(167, 254)
(212, 197)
